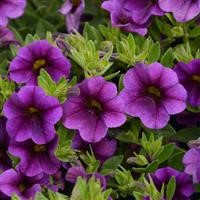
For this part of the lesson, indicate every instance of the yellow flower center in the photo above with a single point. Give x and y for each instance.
(32, 110)
(95, 105)
(22, 187)
(39, 148)
(154, 91)
(38, 64)
(196, 78)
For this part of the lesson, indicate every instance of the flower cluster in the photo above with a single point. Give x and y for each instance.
(135, 16)
(100, 113)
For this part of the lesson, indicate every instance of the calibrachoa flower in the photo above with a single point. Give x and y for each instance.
(189, 77)
(102, 150)
(25, 68)
(152, 93)
(6, 37)
(122, 17)
(36, 158)
(32, 114)
(142, 10)
(10, 10)
(74, 172)
(184, 186)
(94, 110)
(183, 10)
(5, 161)
(12, 181)
(191, 161)
(72, 10)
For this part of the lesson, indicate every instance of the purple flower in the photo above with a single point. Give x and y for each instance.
(5, 161)
(25, 68)
(102, 150)
(189, 77)
(96, 109)
(122, 17)
(183, 10)
(10, 10)
(36, 158)
(72, 10)
(142, 10)
(12, 181)
(191, 161)
(184, 185)
(152, 92)
(74, 172)
(32, 114)
(6, 37)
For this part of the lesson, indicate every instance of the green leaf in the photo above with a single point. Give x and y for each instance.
(132, 135)
(45, 81)
(148, 169)
(110, 33)
(171, 187)
(126, 50)
(15, 197)
(30, 38)
(88, 56)
(197, 55)
(124, 181)
(168, 58)
(64, 151)
(183, 53)
(154, 53)
(49, 37)
(194, 109)
(52, 88)
(195, 32)
(150, 190)
(6, 90)
(13, 49)
(111, 164)
(111, 76)
(40, 196)
(50, 196)
(163, 27)
(56, 196)
(165, 153)
(138, 160)
(89, 159)
(187, 134)
(120, 83)
(89, 190)
(91, 33)
(177, 31)
(175, 161)
(16, 33)
(151, 145)
(167, 132)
